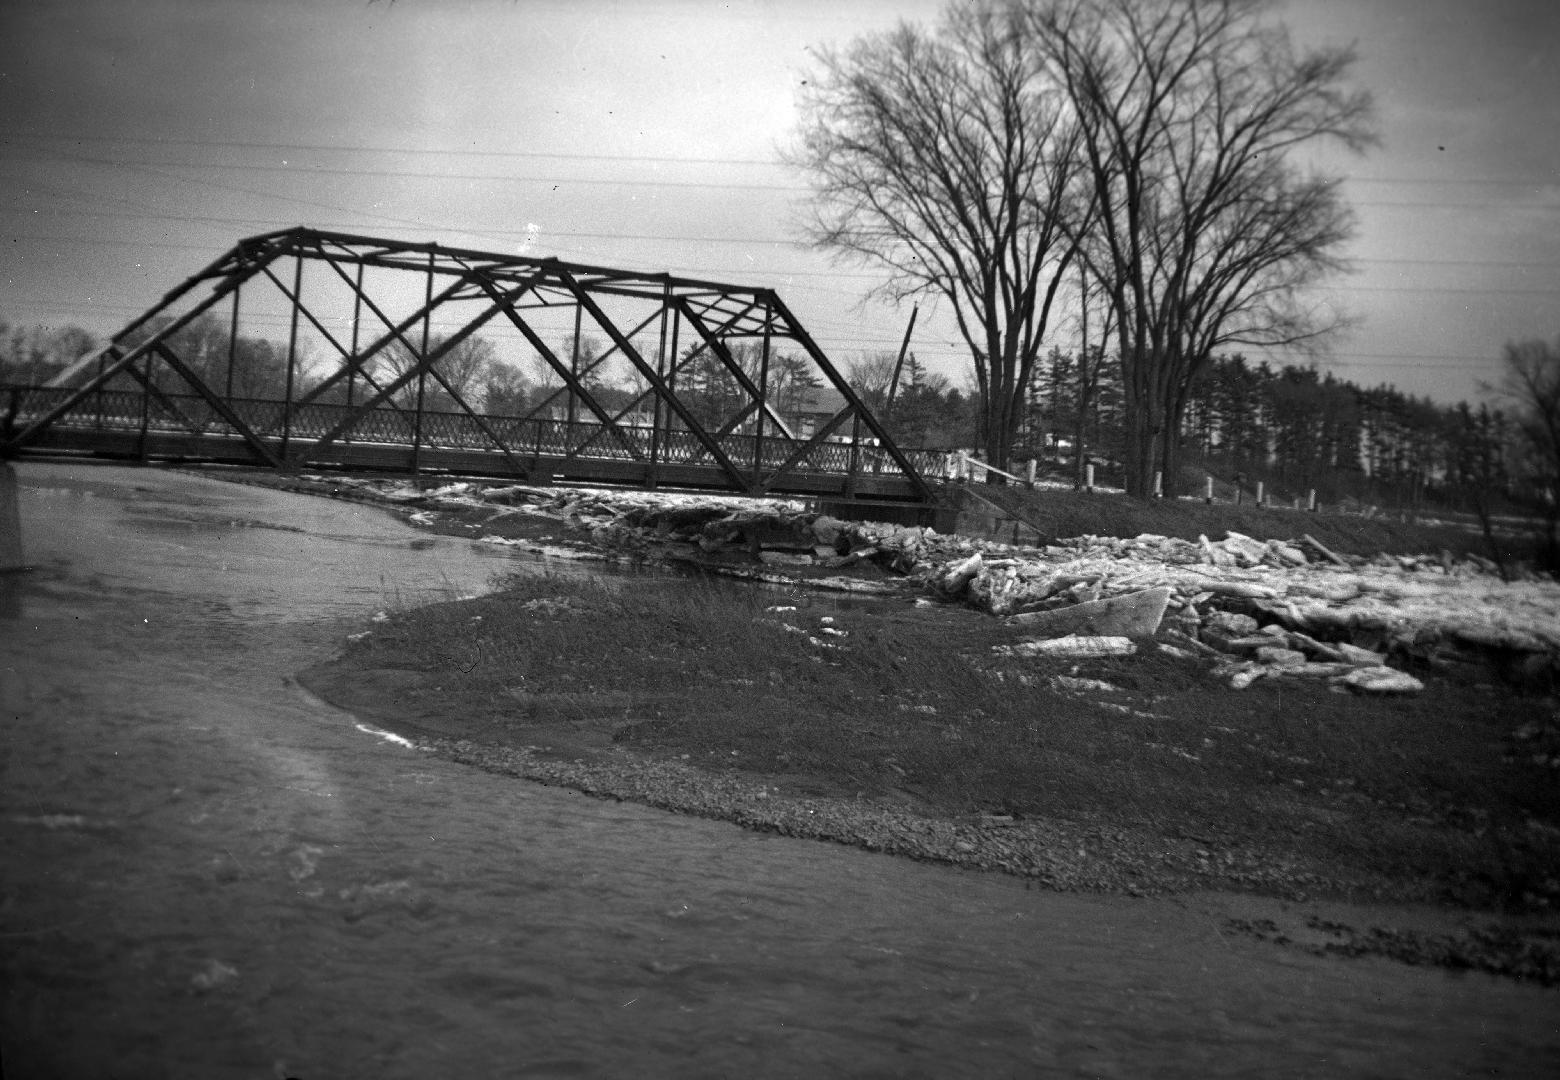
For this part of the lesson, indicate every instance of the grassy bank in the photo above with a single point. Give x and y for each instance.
(1284, 787)
(1064, 514)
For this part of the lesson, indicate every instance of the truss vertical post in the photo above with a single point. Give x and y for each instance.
(422, 370)
(357, 321)
(232, 347)
(574, 370)
(763, 396)
(102, 357)
(292, 351)
(854, 469)
(660, 372)
(146, 407)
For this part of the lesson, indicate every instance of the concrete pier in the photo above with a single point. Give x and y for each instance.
(10, 520)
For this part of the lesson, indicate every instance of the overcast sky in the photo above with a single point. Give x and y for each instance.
(140, 138)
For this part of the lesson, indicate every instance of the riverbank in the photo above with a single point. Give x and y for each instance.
(888, 726)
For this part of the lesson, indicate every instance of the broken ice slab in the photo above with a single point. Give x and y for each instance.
(1075, 646)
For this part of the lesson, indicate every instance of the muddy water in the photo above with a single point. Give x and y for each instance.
(208, 873)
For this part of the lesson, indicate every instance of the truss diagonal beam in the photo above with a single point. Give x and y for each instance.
(565, 374)
(156, 393)
(649, 375)
(862, 412)
(103, 377)
(396, 332)
(222, 408)
(422, 365)
(594, 364)
(801, 453)
(718, 347)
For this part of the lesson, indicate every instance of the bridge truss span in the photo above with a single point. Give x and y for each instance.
(306, 348)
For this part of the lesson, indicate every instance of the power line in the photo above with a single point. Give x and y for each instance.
(556, 181)
(528, 155)
(401, 174)
(1351, 359)
(755, 241)
(1492, 181)
(665, 237)
(271, 195)
(327, 148)
(771, 274)
(525, 233)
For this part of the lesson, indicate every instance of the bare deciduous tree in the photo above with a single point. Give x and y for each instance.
(461, 366)
(1206, 232)
(1531, 383)
(870, 374)
(946, 160)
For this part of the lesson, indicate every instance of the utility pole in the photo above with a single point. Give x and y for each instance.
(893, 383)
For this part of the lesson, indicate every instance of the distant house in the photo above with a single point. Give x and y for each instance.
(811, 409)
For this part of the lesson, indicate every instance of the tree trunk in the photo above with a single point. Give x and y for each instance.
(1138, 457)
(1080, 428)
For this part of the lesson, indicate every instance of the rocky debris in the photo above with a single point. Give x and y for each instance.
(1270, 608)
(1072, 646)
(1074, 684)
(1256, 601)
(1130, 615)
(1380, 680)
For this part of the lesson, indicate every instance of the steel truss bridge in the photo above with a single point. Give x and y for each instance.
(367, 376)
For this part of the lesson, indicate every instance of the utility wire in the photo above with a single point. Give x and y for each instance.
(770, 273)
(557, 181)
(544, 234)
(327, 148)
(1536, 181)
(944, 351)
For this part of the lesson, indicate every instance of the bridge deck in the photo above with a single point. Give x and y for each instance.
(119, 425)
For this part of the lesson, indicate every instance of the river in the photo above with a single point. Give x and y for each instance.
(209, 873)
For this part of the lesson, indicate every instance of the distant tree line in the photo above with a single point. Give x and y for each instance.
(1297, 430)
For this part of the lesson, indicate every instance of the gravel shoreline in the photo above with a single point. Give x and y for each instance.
(1051, 854)
(1058, 855)
(1069, 857)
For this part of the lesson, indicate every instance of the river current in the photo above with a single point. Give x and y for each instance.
(207, 872)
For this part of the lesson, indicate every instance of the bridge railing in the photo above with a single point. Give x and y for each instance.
(136, 411)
